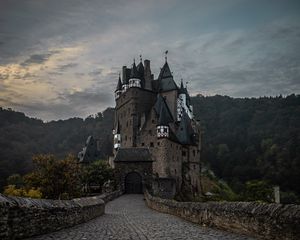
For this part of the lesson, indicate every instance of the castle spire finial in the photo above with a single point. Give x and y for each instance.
(166, 55)
(141, 58)
(133, 60)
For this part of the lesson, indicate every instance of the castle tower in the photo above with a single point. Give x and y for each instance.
(134, 80)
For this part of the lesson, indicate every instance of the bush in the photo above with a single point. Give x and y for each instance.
(12, 190)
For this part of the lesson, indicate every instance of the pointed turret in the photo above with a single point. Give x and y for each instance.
(165, 78)
(134, 72)
(134, 80)
(185, 131)
(118, 91)
(141, 72)
(182, 89)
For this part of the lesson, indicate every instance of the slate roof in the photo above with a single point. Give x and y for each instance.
(119, 86)
(162, 110)
(182, 89)
(140, 69)
(90, 152)
(133, 155)
(185, 131)
(165, 79)
(134, 72)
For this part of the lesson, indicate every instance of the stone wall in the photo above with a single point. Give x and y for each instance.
(264, 221)
(25, 217)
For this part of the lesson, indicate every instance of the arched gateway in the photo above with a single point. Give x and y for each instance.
(133, 183)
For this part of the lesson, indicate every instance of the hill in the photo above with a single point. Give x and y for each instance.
(22, 137)
(243, 138)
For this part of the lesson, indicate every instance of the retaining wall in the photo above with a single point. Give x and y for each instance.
(264, 221)
(25, 217)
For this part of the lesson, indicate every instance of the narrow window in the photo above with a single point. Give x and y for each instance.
(151, 144)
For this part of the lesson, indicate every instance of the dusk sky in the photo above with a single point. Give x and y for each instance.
(61, 58)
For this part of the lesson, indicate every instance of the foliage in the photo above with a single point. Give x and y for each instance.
(258, 190)
(97, 173)
(243, 139)
(246, 139)
(54, 177)
(22, 137)
(12, 190)
(16, 180)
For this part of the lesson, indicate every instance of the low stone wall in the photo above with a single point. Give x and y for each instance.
(25, 217)
(264, 221)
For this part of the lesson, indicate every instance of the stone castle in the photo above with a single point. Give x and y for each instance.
(156, 138)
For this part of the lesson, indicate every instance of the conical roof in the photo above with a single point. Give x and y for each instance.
(119, 86)
(185, 130)
(165, 71)
(165, 78)
(134, 72)
(181, 89)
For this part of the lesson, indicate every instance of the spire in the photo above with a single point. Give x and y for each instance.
(166, 55)
(119, 86)
(134, 71)
(165, 71)
(140, 67)
(185, 130)
(181, 89)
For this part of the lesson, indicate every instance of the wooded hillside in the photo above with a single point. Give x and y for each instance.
(243, 139)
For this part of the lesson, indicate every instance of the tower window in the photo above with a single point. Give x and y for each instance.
(194, 153)
(151, 144)
(143, 144)
(158, 143)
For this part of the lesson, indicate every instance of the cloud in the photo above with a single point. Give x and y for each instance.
(65, 58)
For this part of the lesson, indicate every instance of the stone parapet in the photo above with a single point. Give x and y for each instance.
(264, 221)
(25, 217)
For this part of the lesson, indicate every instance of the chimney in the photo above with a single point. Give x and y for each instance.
(147, 75)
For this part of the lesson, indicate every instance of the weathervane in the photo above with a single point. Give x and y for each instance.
(166, 55)
(141, 57)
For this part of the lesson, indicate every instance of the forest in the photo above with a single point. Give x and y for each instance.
(243, 139)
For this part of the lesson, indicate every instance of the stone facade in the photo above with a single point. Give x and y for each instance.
(264, 221)
(157, 114)
(25, 217)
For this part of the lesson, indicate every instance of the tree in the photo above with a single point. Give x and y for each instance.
(258, 190)
(96, 174)
(54, 177)
(15, 180)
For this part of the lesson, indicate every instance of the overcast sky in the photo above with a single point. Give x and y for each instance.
(61, 58)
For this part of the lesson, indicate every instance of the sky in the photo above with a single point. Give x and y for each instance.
(61, 58)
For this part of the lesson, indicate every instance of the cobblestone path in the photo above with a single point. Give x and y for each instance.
(127, 217)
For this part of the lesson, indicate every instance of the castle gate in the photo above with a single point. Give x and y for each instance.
(133, 183)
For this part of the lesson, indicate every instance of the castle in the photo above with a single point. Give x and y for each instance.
(156, 138)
